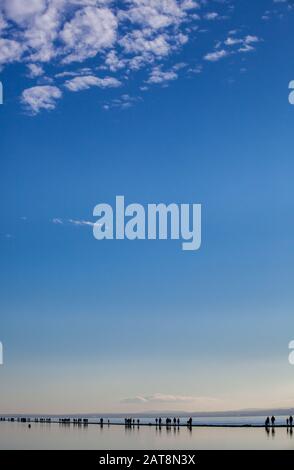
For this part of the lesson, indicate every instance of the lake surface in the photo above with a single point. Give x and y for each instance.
(54, 436)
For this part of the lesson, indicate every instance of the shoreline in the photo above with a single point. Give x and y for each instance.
(138, 425)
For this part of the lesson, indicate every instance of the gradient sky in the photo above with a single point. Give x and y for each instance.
(112, 326)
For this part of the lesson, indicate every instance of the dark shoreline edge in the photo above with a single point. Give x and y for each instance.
(154, 425)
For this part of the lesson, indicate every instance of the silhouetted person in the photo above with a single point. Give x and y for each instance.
(273, 419)
(178, 421)
(101, 421)
(175, 421)
(291, 421)
(138, 422)
(189, 422)
(159, 421)
(287, 422)
(156, 421)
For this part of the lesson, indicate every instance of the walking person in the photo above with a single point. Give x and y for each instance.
(273, 420)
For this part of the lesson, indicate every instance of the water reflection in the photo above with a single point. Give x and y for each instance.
(271, 432)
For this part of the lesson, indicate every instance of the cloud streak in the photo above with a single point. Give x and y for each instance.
(165, 398)
(75, 222)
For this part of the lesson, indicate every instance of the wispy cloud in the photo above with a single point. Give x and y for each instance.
(76, 222)
(232, 45)
(210, 16)
(125, 101)
(158, 76)
(164, 398)
(81, 223)
(216, 55)
(57, 221)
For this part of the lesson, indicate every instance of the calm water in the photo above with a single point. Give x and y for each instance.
(55, 436)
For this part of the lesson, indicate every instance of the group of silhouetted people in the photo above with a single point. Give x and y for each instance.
(130, 422)
(169, 422)
(158, 422)
(271, 421)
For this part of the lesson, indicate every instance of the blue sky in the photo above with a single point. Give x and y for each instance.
(159, 102)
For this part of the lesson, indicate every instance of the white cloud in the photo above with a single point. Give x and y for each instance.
(189, 4)
(233, 41)
(87, 81)
(125, 101)
(76, 73)
(75, 222)
(10, 51)
(251, 39)
(113, 62)
(77, 38)
(139, 42)
(216, 55)
(43, 30)
(40, 97)
(211, 16)
(91, 30)
(155, 14)
(81, 223)
(163, 398)
(246, 48)
(244, 44)
(35, 70)
(158, 76)
(21, 11)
